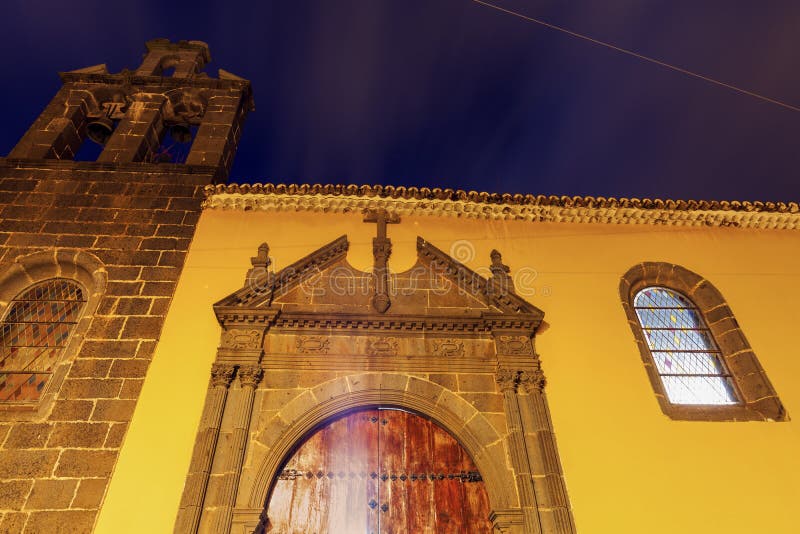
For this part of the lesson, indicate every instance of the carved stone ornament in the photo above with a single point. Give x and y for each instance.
(448, 348)
(514, 345)
(532, 381)
(500, 274)
(241, 339)
(221, 374)
(312, 344)
(381, 250)
(506, 379)
(382, 346)
(250, 375)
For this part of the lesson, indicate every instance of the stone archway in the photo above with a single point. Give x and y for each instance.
(311, 409)
(378, 469)
(438, 340)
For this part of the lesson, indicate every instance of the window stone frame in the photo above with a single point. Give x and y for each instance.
(31, 269)
(758, 400)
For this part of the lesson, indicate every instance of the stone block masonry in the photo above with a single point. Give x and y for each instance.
(130, 217)
(55, 467)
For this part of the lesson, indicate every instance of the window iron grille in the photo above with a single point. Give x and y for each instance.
(685, 354)
(33, 334)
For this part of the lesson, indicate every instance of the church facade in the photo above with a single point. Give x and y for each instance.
(189, 356)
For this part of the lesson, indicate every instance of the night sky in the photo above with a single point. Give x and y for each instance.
(449, 93)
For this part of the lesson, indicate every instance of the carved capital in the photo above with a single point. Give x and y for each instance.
(250, 375)
(532, 381)
(506, 379)
(221, 374)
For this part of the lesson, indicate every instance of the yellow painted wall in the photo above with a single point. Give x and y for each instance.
(628, 468)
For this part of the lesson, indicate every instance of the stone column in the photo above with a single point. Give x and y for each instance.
(203, 455)
(507, 382)
(58, 132)
(249, 377)
(219, 132)
(553, 505)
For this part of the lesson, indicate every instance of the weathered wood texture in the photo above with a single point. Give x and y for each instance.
(379, 471)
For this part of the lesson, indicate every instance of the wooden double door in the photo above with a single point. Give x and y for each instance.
(379, 471)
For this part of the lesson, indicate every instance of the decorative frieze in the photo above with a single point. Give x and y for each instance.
(448, 348)
(382, 346)
(312, 344)
(514, 345)
(238, 339)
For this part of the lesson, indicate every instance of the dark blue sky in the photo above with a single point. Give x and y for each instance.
(449, 93)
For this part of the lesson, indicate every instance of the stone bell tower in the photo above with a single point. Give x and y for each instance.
(132, 113)
(102, 193)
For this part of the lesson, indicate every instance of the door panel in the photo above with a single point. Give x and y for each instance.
(381, 471)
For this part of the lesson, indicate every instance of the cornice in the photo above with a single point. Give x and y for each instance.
(473, 205)
(262, 289)
(201, 80)
(375, 322)
(466, 278)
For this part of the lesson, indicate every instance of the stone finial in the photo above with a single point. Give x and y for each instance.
(261, 260)
(260, 263)
(500, 273)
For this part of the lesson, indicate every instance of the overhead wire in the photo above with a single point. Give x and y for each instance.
(638, 55)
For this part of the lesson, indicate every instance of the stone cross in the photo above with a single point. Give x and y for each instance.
(381, 250)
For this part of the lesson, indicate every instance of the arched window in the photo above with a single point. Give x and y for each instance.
(699, 362)
(35, 331)
(686, 357)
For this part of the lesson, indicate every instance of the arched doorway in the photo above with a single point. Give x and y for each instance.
(379, 471)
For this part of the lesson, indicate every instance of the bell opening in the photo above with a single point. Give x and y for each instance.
(99, 130)
(181, 133)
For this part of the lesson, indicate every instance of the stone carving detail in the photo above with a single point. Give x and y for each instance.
(506, 379)
(312, 344)
(448, 348)
(501, 278)
(241, 339)
(514, 345)
(250, 375)
(532, 381)
(382, 346)
(381, 250)
(221, 374)
(260, 262)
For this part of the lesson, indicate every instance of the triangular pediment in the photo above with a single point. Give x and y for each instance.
(324, 284)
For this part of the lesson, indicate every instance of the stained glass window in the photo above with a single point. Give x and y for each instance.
(34, 332)
(684, 351)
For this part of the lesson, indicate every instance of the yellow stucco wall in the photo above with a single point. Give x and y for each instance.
(628, 468)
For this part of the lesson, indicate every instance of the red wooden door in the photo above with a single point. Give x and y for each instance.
(380, 471)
